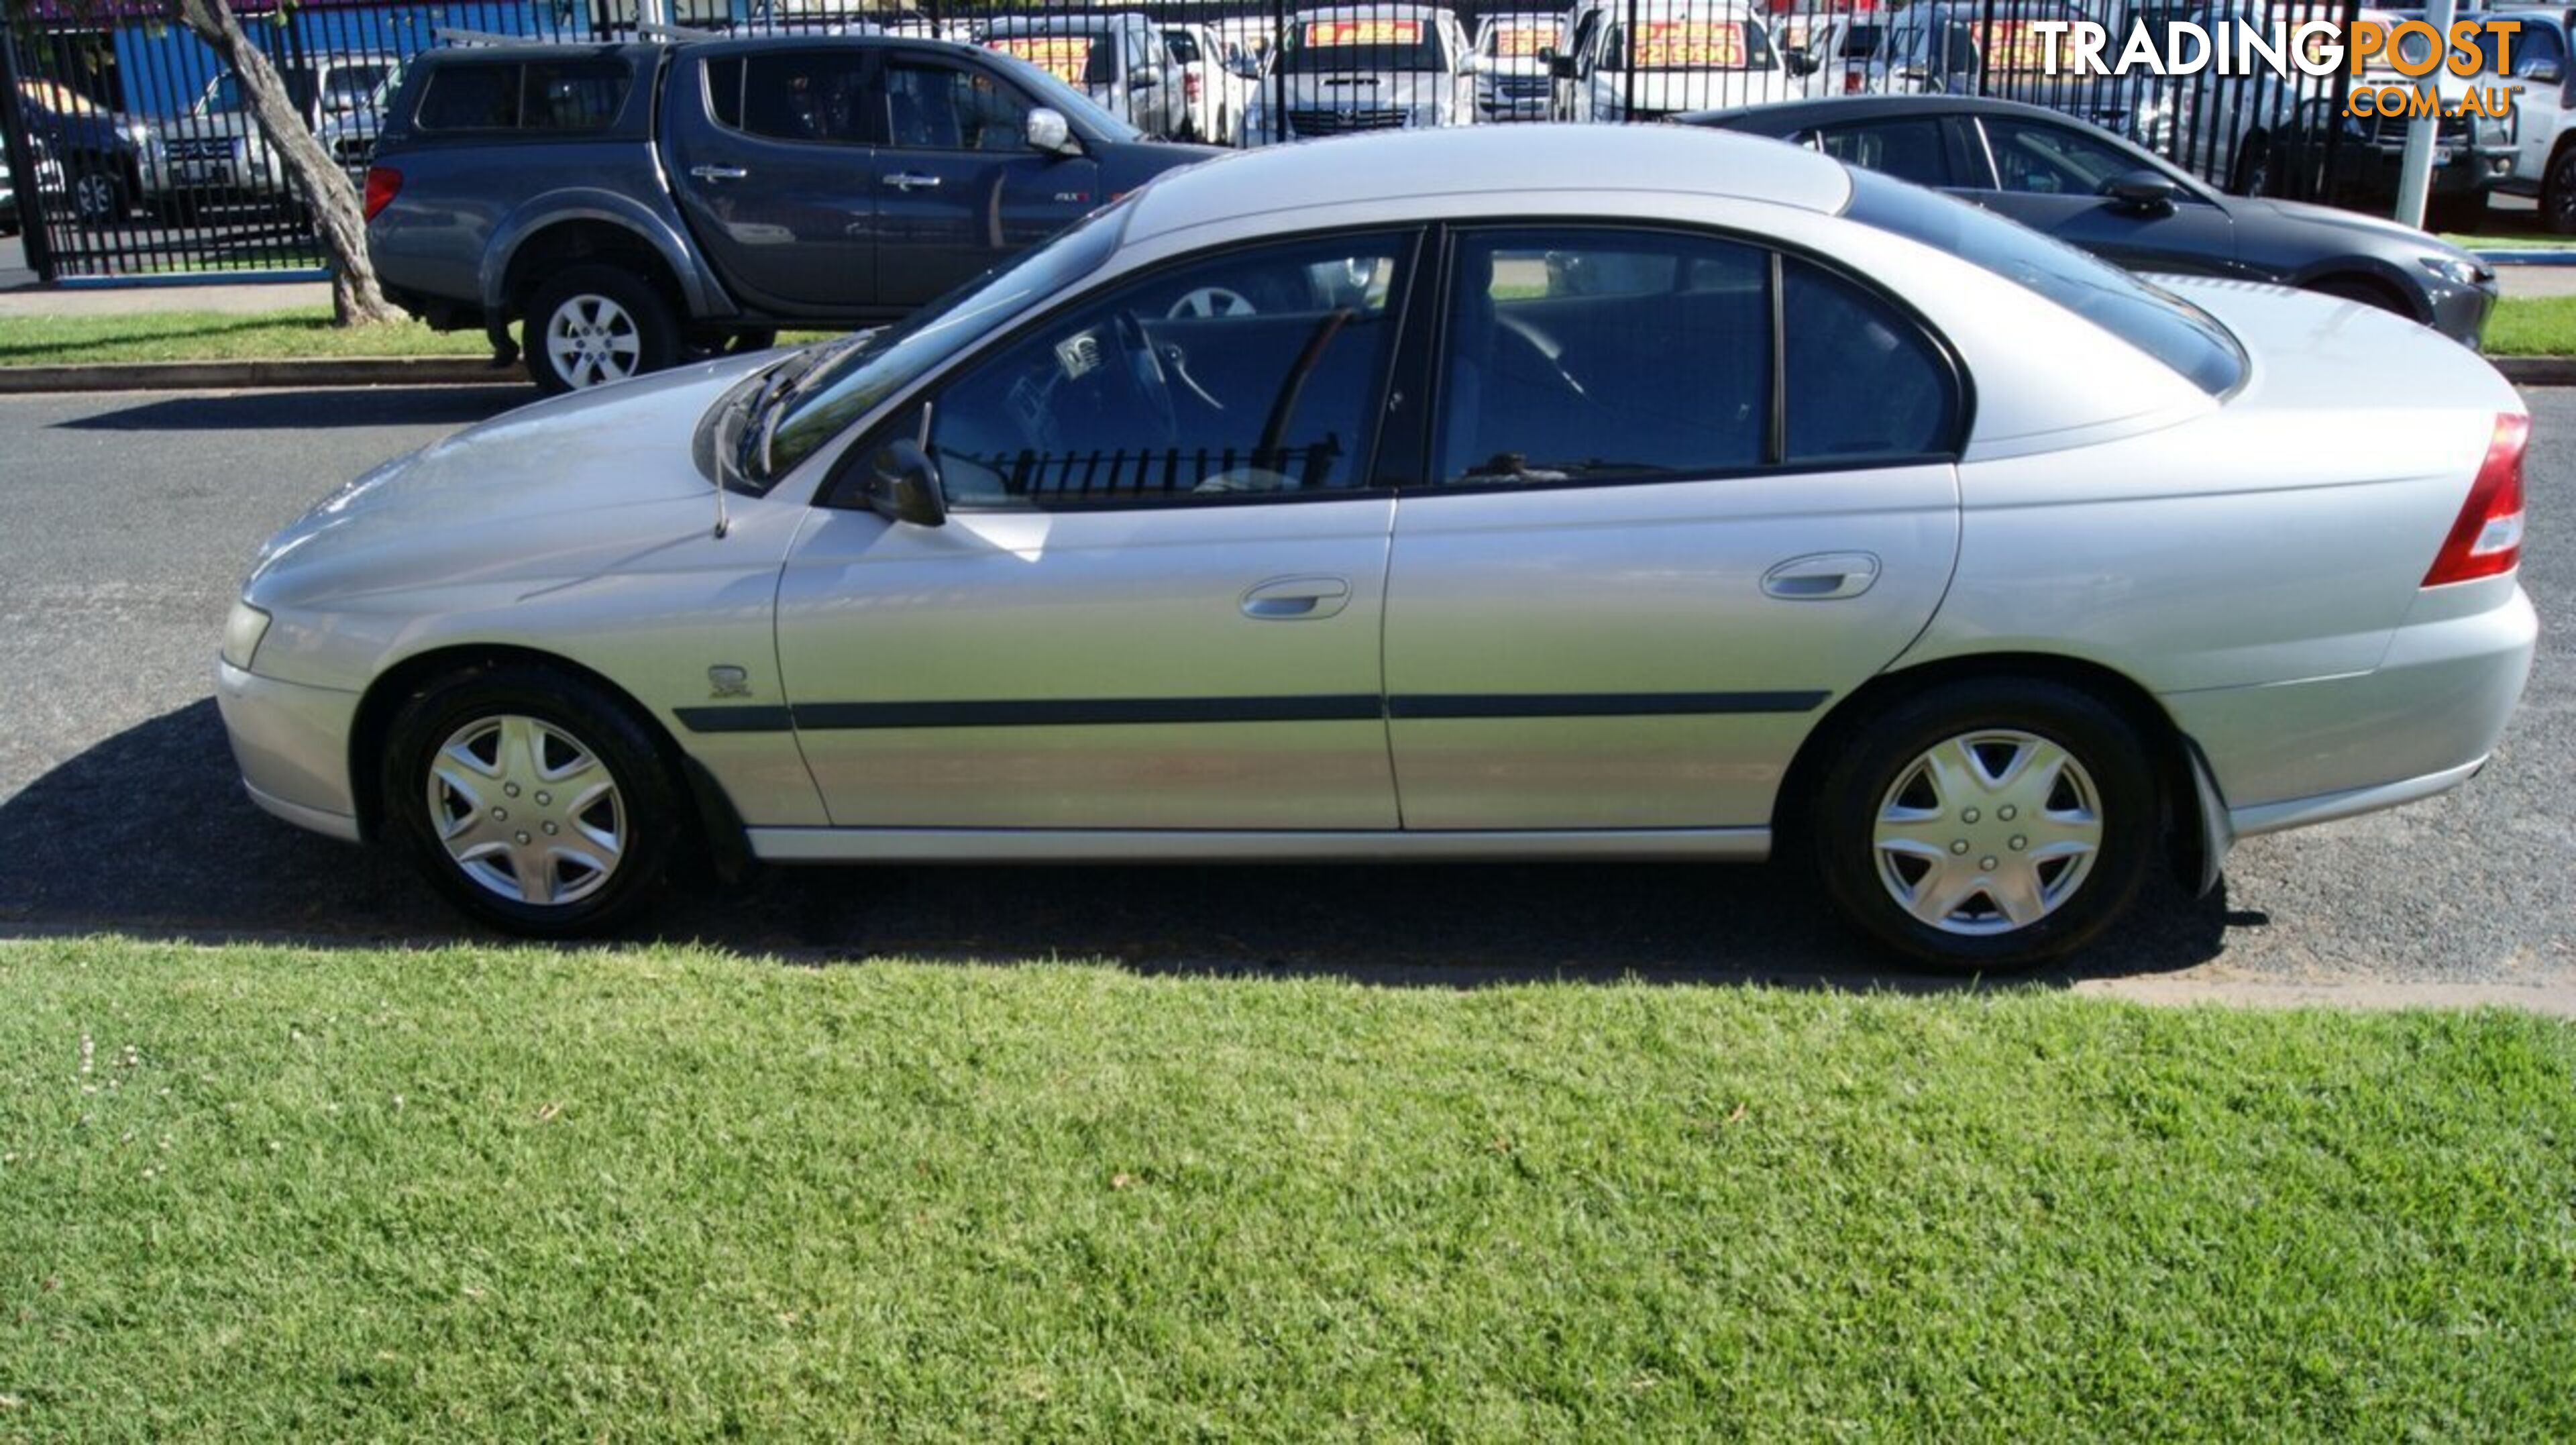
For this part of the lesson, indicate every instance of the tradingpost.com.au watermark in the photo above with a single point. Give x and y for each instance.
(2315, 49)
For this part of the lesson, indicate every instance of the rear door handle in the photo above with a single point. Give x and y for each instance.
(1822, 576)
(906, 180)
(1289, 599)
(718, 173)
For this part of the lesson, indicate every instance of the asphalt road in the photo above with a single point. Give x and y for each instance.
(126, 521)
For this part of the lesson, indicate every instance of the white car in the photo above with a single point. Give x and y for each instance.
(217, 153)
(1495, 493)
(1684, 56)
(1366, 67)
(1837, 47)
(1214, 92)
(1511, 70)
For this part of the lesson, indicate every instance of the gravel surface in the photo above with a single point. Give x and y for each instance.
(128, 520)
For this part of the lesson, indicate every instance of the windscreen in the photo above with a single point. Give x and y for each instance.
(2152, 319)
(867, 370)
(1693, 42)
(1073, 59)
(1361, 43)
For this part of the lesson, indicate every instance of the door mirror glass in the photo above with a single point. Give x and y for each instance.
(2141, 190)
(903, 485)
(1050, 132)
(1564, 67)
(1799, 61)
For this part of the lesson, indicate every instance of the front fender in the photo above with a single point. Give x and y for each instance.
(657, 227)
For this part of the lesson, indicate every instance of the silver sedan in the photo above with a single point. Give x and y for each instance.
(1529, 493)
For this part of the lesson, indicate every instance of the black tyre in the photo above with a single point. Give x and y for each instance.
(98, 197)
(2456, 213)
(2558, 194)
(533, 800)
(594, 324)
(2253, 170)
(1989, 825)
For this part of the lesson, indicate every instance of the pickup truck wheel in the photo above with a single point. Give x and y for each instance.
(98, 198)
(591, 325)
(2558, 193)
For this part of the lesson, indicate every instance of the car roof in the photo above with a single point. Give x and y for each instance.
(1500, 160)
(1787, 117)
(640, 51)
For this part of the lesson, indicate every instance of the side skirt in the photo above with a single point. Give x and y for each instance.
(1047, 845)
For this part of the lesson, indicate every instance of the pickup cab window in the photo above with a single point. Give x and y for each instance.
(807, 95)
(541, 95)
(937, 106)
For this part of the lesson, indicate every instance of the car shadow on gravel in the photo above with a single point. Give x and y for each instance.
(148, 833)
(356, 406)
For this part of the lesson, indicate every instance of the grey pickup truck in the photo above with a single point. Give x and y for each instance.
(638, 205)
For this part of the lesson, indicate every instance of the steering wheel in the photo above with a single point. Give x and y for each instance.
(1208, 301)
(1145, 376)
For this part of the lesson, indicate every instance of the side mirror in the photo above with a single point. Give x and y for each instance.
(2547, 72)
(903, 485)
(2142, 190)
(1800, 63)
(1564, 67)
(1547, 55)
(1050, 132)
(1146, 79)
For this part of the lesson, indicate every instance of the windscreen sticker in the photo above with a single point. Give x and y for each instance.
(1691, 45)
(1519, 42)
(2011, 47)
(1363, 32)
(1066, 57)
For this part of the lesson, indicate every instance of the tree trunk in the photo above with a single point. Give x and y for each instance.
(338, 222)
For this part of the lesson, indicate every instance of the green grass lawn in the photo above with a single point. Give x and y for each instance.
(2523, 326)
(254, 1193)
(222, 336)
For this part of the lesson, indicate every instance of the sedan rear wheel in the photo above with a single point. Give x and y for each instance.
(534, 801)
(1989, 825)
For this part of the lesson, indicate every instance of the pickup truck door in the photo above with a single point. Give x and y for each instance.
(773, 155)
(958, 187)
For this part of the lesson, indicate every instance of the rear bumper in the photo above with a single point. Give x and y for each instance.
(292, 745)
(2291, 754)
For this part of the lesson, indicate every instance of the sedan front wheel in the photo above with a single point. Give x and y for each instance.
(1989, 825)
(533, 800)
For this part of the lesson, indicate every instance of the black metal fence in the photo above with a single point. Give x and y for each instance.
(133, 156)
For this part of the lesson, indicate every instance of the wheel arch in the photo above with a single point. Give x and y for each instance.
(719, 826)
(2373, 276)
(2192, 815)
(553, 233)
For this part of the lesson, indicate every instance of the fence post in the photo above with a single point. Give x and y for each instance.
(1278, 71)
(32, 231)
(1628, 86)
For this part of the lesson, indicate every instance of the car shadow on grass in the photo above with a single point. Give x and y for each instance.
(148, 833)
(356, 406)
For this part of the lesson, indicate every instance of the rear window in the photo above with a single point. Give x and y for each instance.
(2152, 319)
(535, 95)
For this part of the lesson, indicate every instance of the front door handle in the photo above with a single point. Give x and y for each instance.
(712, 174)
(1822, 576)
(1289, 599)
(907, 180)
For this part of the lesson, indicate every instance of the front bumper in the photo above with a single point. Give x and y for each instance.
(292, 745)
(2287, 755)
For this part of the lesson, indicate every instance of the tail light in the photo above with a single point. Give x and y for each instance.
(382, 183)
(1190, 86)
(2487, 538)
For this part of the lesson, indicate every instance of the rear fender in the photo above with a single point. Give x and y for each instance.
(659, 231)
